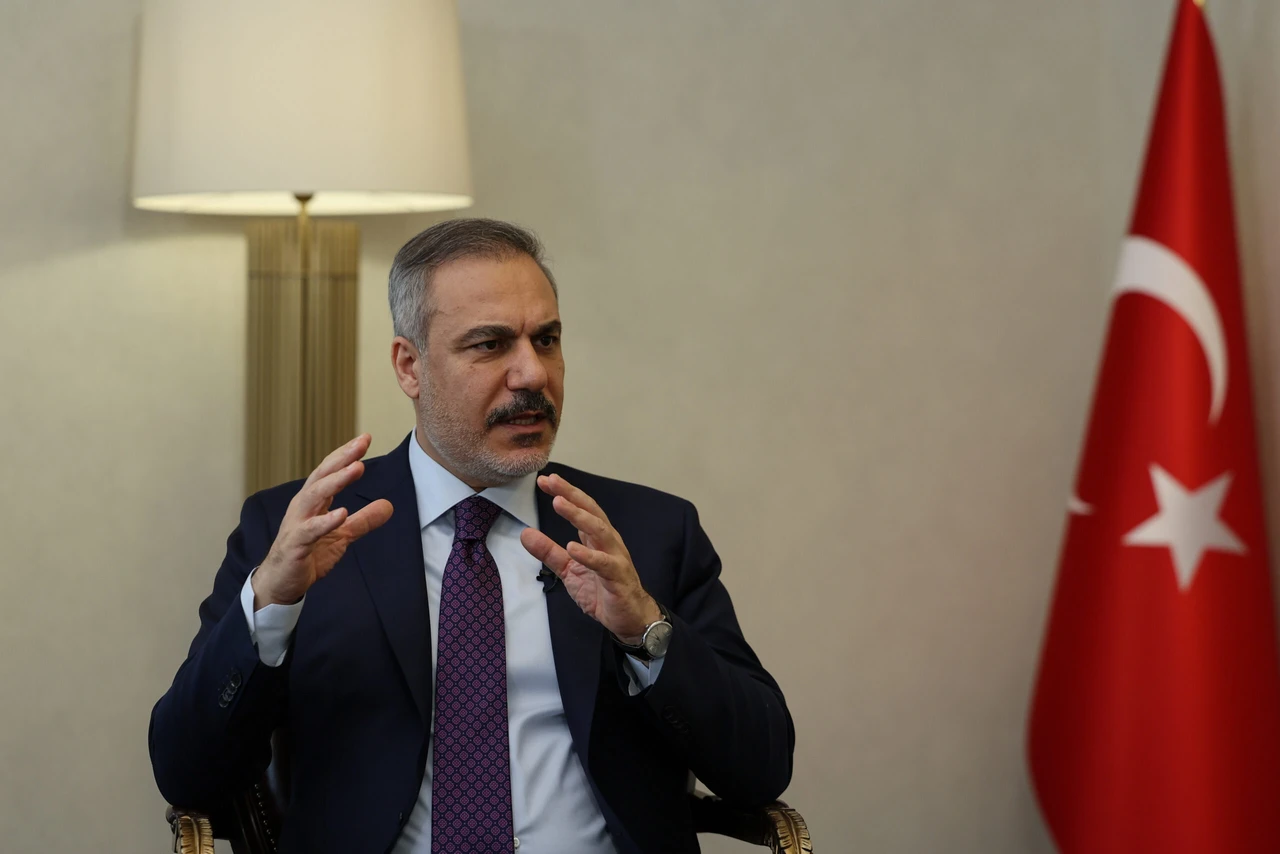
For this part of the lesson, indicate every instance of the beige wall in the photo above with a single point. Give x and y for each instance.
(836, 271)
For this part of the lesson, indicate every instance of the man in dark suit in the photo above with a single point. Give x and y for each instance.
(473, 649)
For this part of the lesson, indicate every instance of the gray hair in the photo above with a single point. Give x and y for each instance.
(409, 283)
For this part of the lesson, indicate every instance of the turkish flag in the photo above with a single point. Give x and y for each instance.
(1155, 725)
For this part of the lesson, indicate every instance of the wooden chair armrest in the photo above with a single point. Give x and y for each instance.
(776, 826)
(192, 831)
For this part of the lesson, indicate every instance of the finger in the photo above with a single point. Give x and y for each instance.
(586, 523)
(319, 493)
(368, 518)
(319, 526)
(546, 550)
(340, 457)
(600, 562)
(556, 485)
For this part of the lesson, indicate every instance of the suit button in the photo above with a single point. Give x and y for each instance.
(234, 682)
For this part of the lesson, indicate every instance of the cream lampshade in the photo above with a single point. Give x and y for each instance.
(244, 103)
(304, 108)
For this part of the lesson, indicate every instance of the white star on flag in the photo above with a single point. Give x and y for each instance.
(1187, 523)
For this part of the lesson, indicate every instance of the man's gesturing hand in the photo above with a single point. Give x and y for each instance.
(597, 572)
(312, 538)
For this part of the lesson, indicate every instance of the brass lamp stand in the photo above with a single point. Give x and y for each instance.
(303, 277)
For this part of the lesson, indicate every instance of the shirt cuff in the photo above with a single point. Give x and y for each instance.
(642, 677)
(271, 626)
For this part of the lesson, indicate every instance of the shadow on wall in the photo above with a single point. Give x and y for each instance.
(1254, 126)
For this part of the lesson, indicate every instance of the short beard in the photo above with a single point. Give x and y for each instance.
(464, 449)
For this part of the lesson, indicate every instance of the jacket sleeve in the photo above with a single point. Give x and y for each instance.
(210, 733)
(713, 699)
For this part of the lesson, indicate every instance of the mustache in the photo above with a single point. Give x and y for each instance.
(523, 402)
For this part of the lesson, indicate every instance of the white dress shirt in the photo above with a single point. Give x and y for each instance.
(553, 807)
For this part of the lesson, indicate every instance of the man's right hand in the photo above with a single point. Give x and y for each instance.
(312, 538)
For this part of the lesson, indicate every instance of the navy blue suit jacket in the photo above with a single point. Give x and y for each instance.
(355, 689)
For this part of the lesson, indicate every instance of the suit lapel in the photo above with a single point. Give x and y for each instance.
(391, 563)
(576, 639)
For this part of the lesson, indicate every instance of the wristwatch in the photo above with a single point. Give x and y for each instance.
(655, 640)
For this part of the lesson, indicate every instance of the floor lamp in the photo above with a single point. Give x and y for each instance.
(296, 111)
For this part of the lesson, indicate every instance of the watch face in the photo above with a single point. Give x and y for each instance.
(657, 639)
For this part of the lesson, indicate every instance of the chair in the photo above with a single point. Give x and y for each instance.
(252, 821)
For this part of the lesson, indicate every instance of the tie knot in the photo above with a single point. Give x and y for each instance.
(473, 517)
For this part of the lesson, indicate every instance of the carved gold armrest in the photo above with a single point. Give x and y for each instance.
(776, 826)
(192, 831)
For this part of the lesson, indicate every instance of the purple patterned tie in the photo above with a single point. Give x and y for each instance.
(471, 770)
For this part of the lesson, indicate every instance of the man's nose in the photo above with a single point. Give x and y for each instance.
(526, 370)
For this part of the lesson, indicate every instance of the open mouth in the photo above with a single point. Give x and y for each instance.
(524, 419)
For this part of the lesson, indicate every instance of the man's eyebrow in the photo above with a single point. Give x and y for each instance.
(550, 328)
(485, 333)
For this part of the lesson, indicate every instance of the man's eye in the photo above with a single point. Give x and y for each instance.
(488, 346)
(548, 340)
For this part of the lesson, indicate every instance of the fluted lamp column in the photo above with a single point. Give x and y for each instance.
(301, 383)
(300, 110)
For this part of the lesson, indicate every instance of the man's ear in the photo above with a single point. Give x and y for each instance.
(404, 359)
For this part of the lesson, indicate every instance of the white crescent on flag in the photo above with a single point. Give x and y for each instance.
(1153, 269)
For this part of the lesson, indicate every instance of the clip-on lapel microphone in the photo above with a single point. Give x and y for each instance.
(549, 579)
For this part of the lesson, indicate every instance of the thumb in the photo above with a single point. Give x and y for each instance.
(545, 549)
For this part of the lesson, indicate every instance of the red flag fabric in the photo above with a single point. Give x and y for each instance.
(1155, 725)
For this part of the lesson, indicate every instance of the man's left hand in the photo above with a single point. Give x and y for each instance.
(597, 572)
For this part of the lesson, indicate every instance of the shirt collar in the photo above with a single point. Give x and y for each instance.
(438, 490)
